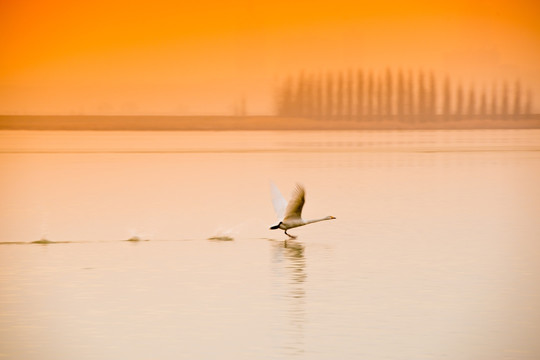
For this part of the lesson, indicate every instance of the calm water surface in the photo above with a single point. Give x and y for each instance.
(435, 252)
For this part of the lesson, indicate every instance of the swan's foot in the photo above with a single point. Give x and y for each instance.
(290, 236)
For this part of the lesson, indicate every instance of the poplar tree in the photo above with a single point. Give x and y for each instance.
(482, 112)
(432, 96)
(349, 89)
(494, 106)
(517, 100)
(370, 94)
(447, 99)
(400, 95)
(340, 96)
(459, 102)
(471, 103)
(329, 103)
(504, 100)
(421, 96)
(411, 97)
(389, 98)
(360, 95)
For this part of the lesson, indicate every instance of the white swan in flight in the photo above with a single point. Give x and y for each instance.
(290, 215)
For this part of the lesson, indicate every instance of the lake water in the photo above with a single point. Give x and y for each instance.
(435, 252)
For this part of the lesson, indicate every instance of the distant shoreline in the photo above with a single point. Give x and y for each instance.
(247, 123)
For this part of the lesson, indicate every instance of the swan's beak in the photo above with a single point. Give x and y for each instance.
(331, 217)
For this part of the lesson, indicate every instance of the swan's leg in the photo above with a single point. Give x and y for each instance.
(289, 235)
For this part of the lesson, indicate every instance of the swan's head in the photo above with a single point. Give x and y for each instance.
(275, 226)
(330, 217)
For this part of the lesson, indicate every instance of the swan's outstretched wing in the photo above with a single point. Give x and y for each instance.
(294, 208)
(279, 202)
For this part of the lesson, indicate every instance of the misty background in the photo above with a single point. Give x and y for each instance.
(165, 58)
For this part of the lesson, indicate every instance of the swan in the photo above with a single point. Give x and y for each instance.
(290, 215)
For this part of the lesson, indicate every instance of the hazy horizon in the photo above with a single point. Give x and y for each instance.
(163, 58)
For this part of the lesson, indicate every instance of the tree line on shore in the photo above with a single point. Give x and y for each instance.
(397, 95)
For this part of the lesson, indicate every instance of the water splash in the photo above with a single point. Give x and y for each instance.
(137, 236)
(221, 238)
(136, 239)
(45, 241)
(226, 234)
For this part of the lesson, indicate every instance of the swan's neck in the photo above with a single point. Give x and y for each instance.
(317, 220)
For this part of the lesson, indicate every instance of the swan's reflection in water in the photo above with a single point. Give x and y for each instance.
(290, 266)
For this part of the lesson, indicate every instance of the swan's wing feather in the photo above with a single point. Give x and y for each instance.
(279, 202)
(294, 208)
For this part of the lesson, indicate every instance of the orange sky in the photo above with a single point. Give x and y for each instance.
(166, 57)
